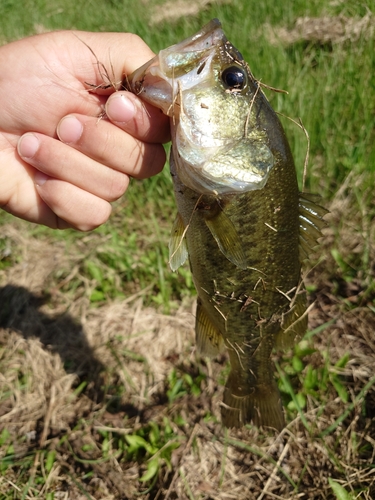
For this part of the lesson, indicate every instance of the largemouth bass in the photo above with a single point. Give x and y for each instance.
(241, 222)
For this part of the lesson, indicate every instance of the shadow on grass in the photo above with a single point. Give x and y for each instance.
(58, 333)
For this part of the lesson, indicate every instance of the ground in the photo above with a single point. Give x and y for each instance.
(102, 394)
(115, 393)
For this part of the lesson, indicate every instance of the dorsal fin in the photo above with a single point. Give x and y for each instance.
(209, 340)
(178, 252)
(311, 222)
(226, 236)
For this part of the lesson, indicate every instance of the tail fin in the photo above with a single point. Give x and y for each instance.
(262, 406)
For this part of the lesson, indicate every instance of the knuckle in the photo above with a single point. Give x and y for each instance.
(107, 146)
(97, 218)
(153, 161)
(118, 184)
(135, 40)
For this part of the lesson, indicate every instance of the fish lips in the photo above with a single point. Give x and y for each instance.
(157, 80)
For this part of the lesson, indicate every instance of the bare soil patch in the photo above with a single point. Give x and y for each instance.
(72, 374)
(173, 10)
(323, 30)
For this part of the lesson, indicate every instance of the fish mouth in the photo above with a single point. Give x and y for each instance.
(160, 79)
(186, 82)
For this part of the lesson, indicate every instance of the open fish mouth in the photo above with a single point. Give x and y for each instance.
(174, 63)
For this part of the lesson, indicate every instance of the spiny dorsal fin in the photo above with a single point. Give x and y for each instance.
(311, 223)
(294, 322)
(178, 252)
(209, 340)
(227, 238)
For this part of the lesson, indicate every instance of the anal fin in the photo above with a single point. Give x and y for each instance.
(209, 340)
(294, 322)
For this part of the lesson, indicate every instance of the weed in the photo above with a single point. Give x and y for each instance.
(339, 492)
(154, 446)
(181, 384)
(302, 381)
(131, 441)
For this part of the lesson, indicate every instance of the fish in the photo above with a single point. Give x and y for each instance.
(242, 223)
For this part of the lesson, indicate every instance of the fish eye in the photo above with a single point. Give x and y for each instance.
(234, 78)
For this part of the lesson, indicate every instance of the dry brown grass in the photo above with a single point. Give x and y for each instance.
(71, 372)
(50, 344)
(172, 10)
(323, 30)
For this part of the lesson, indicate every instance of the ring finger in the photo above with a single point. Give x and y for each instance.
(60, 161)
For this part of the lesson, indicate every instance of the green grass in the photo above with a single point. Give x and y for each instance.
(330, 88)
(326, 395)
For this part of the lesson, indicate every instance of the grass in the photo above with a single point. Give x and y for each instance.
(101, 394)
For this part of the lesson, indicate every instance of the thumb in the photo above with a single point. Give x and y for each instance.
(139, 119)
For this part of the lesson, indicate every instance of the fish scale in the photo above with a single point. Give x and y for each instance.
(241, 223)
(218, 280)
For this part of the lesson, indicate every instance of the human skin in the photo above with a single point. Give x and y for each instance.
(67, 148)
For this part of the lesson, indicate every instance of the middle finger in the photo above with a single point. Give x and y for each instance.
(107, 144)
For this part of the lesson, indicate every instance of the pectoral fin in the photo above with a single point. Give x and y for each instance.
(227, 238)
(178, 252)
(311, 223)
(209, 340)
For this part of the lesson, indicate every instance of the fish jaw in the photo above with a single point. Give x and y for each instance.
(219, 145)
(159, 79)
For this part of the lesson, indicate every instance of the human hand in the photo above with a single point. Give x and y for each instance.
(63, 171)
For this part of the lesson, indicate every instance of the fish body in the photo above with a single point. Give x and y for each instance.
(241, 221)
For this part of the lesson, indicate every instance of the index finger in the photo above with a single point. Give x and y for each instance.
(113, 55)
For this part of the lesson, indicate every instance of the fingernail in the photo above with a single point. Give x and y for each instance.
(40, 178)
(28, 145)
(69, 130)
(120, 108)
